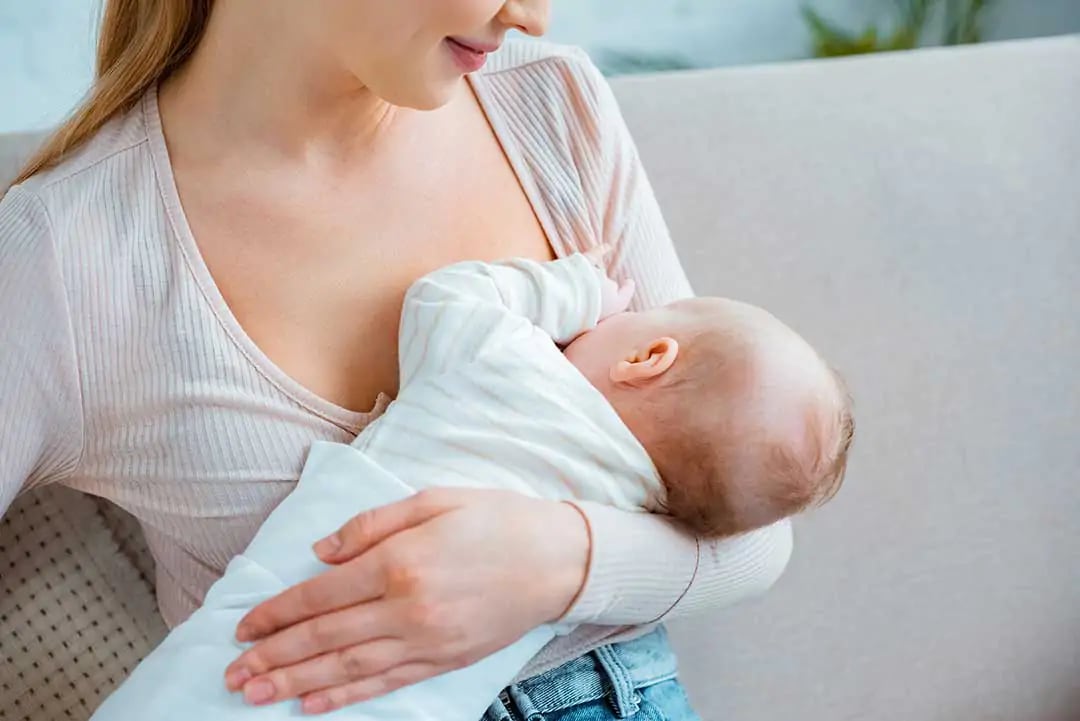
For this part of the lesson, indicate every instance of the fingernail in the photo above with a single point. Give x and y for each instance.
(235, 679)
(315, 704)
(328, 546)
(259, 691)
(244, 632)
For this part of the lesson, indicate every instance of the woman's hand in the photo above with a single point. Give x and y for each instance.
(419, 588)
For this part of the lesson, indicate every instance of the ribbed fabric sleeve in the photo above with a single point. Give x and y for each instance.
(41, 431)
(643, 572)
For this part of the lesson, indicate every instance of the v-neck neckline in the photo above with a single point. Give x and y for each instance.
(346, 418)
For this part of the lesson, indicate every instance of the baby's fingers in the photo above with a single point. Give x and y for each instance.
(598, 252)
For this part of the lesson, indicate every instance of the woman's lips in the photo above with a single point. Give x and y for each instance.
(469, 55)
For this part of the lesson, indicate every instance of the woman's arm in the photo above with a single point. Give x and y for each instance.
(642, 567)
(40, 417)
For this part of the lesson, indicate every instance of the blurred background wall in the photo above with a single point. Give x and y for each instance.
(46, 46)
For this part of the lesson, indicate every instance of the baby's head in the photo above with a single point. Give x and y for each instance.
(744, 421)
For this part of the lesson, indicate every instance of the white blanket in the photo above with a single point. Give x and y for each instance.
(183, 679)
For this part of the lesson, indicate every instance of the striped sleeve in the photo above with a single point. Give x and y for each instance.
(618, 192)
(40, 407)
(453, 315)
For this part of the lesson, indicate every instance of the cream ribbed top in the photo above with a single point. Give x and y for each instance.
(124, 374)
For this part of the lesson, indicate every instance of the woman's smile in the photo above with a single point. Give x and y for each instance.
(470, 55)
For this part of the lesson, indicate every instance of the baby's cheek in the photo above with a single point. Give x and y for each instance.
(585, 352)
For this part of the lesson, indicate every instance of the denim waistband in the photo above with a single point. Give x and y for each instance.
(615, 671)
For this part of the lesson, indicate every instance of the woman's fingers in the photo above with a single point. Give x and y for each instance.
(369, 688)
(429, 587)
(310, 640)
(355, 582)
(344, 666)
(366, 530)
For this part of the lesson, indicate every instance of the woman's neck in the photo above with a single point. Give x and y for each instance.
(251, 86)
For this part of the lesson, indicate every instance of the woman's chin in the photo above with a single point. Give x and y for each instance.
(428, 96)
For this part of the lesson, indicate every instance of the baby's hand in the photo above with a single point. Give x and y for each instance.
(615, 299)
(597, 253)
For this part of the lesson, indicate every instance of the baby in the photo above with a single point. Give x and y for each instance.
(743, 421)
(709, 410)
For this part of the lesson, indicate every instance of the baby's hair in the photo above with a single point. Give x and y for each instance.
(724, 476)
(835, 463)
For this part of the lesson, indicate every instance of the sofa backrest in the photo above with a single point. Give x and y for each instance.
(15, 148)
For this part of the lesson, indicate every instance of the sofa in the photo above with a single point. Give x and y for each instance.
(917, 217)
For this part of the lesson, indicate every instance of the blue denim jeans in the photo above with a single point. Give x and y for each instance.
(631, 680)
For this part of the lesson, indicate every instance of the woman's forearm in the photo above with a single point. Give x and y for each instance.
(644, 568)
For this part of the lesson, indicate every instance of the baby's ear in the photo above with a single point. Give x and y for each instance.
(651, 361)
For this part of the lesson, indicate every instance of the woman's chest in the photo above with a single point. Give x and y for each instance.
(186, 433)
(317, 284)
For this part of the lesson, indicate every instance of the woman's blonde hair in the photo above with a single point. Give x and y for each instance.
(141, 42)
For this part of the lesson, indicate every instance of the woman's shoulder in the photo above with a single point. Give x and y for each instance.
(520, 54)
(561, 80)
(101, 165)
(94, 186)
(553, 107)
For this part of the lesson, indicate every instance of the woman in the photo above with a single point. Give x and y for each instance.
(202, 275)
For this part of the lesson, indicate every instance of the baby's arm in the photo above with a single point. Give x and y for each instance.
(451, 315)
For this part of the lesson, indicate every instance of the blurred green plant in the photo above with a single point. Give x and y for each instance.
(964, 21)
(963, 24)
